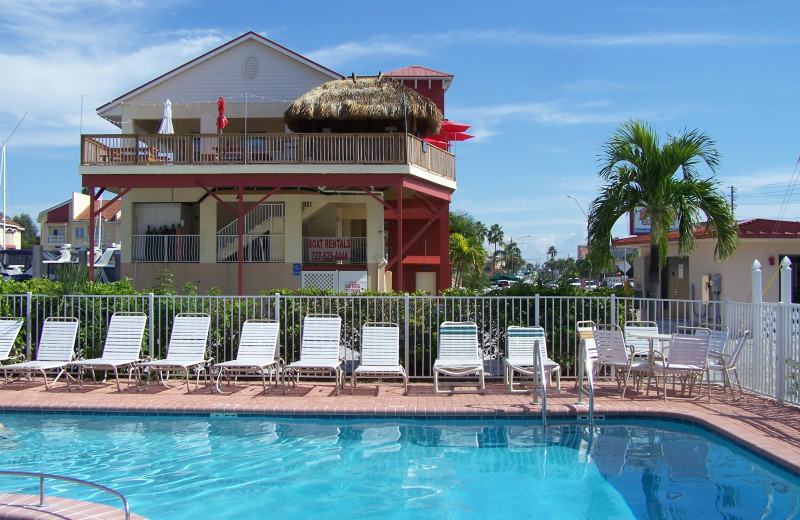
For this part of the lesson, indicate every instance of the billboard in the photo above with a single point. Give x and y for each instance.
(640, 222)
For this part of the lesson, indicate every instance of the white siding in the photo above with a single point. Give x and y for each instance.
(280, 78)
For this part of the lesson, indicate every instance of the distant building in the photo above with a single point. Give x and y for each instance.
(13, 234)
(68, 223)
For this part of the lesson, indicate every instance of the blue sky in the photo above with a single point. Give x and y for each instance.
(543, 84)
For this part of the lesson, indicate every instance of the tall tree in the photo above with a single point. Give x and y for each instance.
(664, 182)
(467, 254)
(552, 252)
(30, 236)
(512, 256)
(495, 236)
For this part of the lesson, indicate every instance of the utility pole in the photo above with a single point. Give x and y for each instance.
(732, 190)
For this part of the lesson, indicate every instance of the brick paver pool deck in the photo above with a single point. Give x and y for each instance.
(766, 427)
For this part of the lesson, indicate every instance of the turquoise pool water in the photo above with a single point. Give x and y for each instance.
(258, 467)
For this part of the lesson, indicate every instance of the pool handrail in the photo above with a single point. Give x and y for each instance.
(42, 476)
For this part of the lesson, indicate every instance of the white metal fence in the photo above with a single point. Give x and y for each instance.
(769, 365)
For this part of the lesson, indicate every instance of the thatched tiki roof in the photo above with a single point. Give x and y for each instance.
(367, 104)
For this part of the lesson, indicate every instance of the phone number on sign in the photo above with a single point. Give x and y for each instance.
(329, 256)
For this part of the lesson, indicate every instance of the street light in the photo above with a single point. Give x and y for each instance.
(585, 215)
(511, 242)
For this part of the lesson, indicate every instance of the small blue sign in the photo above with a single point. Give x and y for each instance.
(297, 270)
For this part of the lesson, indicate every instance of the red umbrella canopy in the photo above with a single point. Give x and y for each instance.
(452, 131)
(221, 120)
(437, 143)
(452, 127)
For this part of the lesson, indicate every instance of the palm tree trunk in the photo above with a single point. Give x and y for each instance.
(654, 273)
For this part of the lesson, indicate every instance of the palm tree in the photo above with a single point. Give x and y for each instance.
(467, 254)
(495, 236)
(663, 181)
(552, 252)
(511, 255)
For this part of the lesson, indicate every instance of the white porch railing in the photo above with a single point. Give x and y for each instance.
(165, 248)
(255, 248)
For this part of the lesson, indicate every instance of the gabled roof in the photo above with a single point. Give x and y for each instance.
(108, 214)
(10, 222)
(748, 229)
(415, 72)
(210, 54)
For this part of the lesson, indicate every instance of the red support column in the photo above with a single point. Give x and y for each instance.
(399, 285)
(444, 276)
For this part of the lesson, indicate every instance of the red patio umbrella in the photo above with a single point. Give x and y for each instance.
(451, 127)
(437, 143)
(221, 120)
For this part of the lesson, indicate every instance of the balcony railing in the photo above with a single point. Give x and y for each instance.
(166, 248)
(207, 149)
(335, 250)
(55, 240)
(255, 248)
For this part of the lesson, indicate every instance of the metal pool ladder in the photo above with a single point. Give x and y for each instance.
(586, 367)
(538, 368)
(42, 476)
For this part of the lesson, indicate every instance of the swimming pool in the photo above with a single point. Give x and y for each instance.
(265, 467)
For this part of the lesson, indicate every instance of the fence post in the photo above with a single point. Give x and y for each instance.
(28, 307)
(276, 312)
(786, 280)
(782, 335)
(150, 303)
(614, 317)
(536, 310)
(407, 304)
(755, 282)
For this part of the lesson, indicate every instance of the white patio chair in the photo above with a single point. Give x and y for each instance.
(380, 353)
(319, 349)
(459, 354)
(122, 348)
(521, 343)
(641, 346)
(612, 352)
(686, 360)
(186, 350)
(56, 349)
(9, 330)
(258, 353)
(727, 363)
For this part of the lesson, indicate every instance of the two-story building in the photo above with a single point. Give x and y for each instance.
(275, 171)
(68, 223)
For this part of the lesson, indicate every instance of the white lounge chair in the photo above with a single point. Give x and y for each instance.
(459, 354)
(319, 349)
(380, 353)
(9, 330)
(56, 349)
(258, 353)
(186, 349)
(520, 345)
(122, 348)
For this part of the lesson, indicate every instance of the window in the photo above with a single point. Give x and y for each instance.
(80, 233)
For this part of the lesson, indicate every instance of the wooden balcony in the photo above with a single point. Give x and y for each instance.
(268, 149)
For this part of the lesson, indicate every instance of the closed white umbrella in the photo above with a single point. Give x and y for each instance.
(166, 121)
